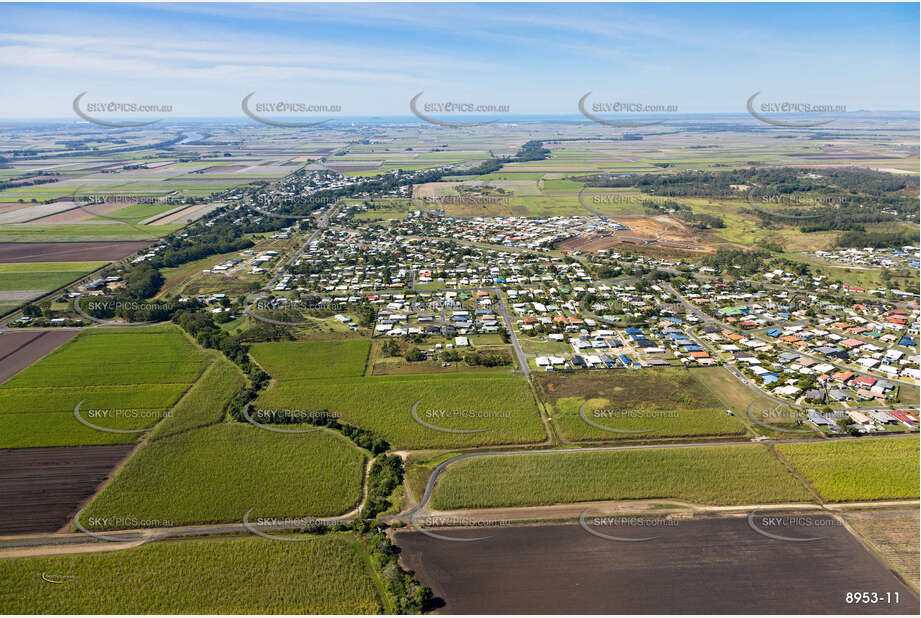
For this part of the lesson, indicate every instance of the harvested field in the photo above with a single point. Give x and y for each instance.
(35, 212)
(187, 215)
(170, 215)
(81, 214)
(214, 169)
(42, 488)
(894, 534)
(15, 252)
(344, 169)
(702, 566)
(19, 349)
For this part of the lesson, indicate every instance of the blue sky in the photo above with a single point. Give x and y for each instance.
(535, 58)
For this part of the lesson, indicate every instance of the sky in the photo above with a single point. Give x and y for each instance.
(371, 59)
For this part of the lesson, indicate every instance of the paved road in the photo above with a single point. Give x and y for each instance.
(321, 225)
(522, 359)
(696, 311)
(503, 311)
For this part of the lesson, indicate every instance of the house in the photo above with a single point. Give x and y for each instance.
(817, 419)
(883, 418)
(788, 390)
(815, 395)
(905, 418)
(858, 417)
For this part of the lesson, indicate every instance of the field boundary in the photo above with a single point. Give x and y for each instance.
(440, 468)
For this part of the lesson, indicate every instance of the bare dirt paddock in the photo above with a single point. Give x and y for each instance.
(19, 252)
(717, 565)
(21, 348)
(42, 488)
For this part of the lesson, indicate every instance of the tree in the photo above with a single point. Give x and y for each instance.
(391, 348)
(414, 354)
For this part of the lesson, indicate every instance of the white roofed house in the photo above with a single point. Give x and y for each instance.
(858, 417)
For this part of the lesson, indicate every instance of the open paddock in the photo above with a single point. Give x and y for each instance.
(16, 252)
(699, 566)
(42, 488)
(21, 348)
